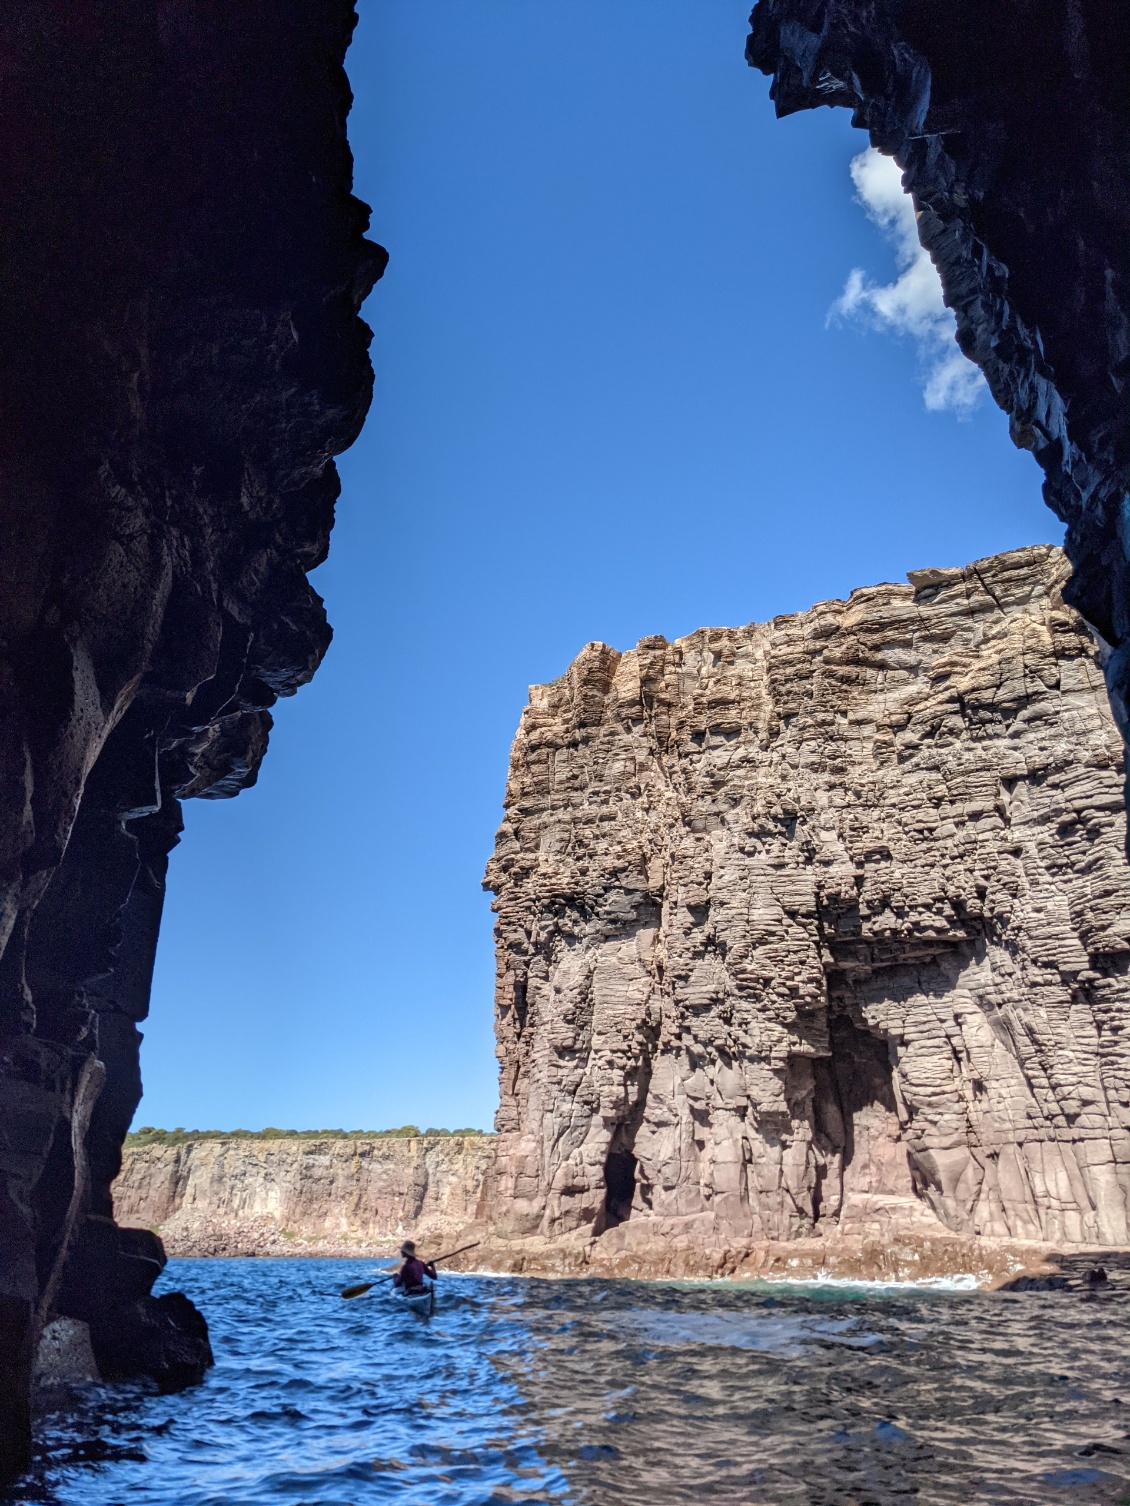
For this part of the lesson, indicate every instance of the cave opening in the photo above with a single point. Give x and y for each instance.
(863, 1074)
(620, 1187)
(856, 1119)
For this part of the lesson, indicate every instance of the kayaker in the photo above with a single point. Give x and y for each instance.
(410, 1276)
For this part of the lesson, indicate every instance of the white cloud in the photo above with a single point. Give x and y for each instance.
(912, 304)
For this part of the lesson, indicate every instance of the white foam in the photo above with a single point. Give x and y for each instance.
(965, 1282)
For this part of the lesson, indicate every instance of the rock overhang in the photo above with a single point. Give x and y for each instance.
(1011, 125)
(180, 360)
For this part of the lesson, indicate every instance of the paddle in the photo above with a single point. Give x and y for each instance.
(367, 1286)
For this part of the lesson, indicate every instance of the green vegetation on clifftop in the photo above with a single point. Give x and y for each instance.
(147, 1135)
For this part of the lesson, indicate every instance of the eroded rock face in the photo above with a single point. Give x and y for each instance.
(819, 929)
(180, 359)
(307, 1197)
(1012, 125)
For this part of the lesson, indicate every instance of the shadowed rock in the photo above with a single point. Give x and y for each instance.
(180, 360)
(1012, 125)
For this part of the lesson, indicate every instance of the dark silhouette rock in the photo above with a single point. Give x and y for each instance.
(162, 1338)
(180, 360)
(1037, 1284)
(1012, 125)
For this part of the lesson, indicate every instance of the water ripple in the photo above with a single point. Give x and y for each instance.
(593, 1393)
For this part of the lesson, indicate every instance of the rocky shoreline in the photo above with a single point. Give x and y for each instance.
(345, 1199)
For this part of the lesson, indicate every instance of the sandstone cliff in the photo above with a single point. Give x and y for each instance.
(306, 1197)
(813, 936)
(180, 360)
(1012, 125)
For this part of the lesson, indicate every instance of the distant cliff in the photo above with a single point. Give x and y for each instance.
(333, 1196)
(815, 934)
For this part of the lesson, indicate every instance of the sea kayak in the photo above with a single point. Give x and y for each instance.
(418, 1300)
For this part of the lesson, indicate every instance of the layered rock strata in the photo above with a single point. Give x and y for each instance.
(813, 940)
(1012, 125)
(307, 1197)
(180, 359)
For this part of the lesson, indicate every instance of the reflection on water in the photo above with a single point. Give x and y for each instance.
(755, 1330)
(606, 1392)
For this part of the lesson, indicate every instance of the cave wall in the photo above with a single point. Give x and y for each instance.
(820, 928)
(1011, 121)
(180, 359)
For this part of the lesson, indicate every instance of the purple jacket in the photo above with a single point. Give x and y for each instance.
(412, 1273)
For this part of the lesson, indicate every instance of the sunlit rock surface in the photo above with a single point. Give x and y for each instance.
(819, 930)
(180, 359)
(306, 1197)
(1012, 123)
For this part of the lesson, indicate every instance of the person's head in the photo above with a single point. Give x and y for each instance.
(408, 1249)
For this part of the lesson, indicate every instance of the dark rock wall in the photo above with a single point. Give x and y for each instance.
(1011, 120)
(180, 359)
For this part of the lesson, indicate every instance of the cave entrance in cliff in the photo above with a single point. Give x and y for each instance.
(620, 1187)
(856, 1117)
(619, 1181)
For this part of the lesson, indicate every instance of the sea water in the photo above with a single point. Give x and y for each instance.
(595, 1392)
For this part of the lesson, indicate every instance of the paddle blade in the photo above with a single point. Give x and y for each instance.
(359, 1290)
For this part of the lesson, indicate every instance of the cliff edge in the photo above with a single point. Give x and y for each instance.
(332, 1197)
(813, 941)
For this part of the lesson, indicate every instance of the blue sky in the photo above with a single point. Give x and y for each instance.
(610, 402)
